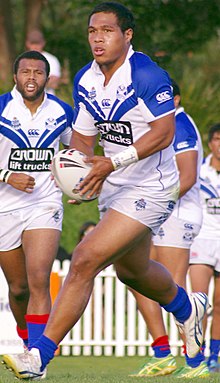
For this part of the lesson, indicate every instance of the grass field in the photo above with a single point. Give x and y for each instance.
(88, 369)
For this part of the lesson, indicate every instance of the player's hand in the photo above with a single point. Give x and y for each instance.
(101, 168)
(22, 181)
(74, 202)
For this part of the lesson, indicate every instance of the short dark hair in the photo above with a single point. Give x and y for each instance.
(176, 88)
(124, 16)
(35, 55)
(84, 227)
(212, 130)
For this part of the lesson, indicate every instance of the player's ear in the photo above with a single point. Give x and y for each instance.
(128, 34)
(15, 78)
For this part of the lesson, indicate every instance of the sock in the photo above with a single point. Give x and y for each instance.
(161, 347)
(36, 325)
(180, 306)
(202, 348)
(214, 350)
(23, 334)
(195, 362)
(47, 349)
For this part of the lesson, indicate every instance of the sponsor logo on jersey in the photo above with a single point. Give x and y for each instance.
(213, 205)
(106, 103)
(188, 226)
(121, 92)
(118, 132)
(50, 123)
(92, 94)
(182, 145)
(187, 236)
(33, 132)
(15, 124)
(30, 160)
(140, 204)
(163, 97)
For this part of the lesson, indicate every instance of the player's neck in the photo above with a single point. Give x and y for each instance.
(215, 163)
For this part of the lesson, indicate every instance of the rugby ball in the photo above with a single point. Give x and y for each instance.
(69, 169)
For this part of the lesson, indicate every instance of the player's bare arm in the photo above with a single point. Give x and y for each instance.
(22, 181)
(185, 161)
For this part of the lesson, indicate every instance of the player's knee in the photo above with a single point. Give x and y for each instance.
(84, 263)
(19, 292)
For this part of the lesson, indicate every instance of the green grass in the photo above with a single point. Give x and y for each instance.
(89, 369)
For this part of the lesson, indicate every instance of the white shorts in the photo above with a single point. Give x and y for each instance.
(176, 232)
(13, 224)
(207, 252)
(151, 209)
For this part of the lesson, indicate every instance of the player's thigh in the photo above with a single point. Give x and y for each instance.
(112, 237)
(200, 276)
(12, 263)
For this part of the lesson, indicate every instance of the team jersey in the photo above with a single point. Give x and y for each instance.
(138, 93)
(187, 138)
(210, 200)
(28, 143)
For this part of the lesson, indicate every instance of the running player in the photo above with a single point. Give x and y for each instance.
(32, 123)
(172, 245)
(205, 250)
(127, 99)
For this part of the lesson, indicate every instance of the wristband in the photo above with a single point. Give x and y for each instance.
(4, 175)
(124, 158)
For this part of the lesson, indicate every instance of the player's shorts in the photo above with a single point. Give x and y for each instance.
(13, 224)
(176, 232)
(151, 209)
(206, 252)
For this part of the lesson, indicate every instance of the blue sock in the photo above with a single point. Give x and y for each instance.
(36, 325)
(195, 362)
(47, 349)
(180, 306)
(214, 350)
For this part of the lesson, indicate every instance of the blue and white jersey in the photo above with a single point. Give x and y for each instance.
(138, 93)
(28, 143)
(187, 137)
(210, 200)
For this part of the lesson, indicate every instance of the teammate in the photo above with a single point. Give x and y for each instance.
(32, 123)
(36, 41)
(126, 98)
(172, 250)
(205, 250)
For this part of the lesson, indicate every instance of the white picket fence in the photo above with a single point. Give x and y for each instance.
(111, 324)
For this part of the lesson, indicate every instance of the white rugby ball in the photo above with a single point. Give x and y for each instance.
(69, 169)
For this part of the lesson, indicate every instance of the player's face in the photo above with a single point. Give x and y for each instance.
(108, 43)
(31, 79)
(214, 145)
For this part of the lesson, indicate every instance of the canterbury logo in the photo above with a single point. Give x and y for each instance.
(164, 96)
(33, 132)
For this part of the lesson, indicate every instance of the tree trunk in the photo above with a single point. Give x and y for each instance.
(32, 14)
(7, 44)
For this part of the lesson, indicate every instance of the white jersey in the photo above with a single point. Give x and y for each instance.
(138, 93)
(187, 137)
(28, 143)
(210, 200)
(55, 68)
